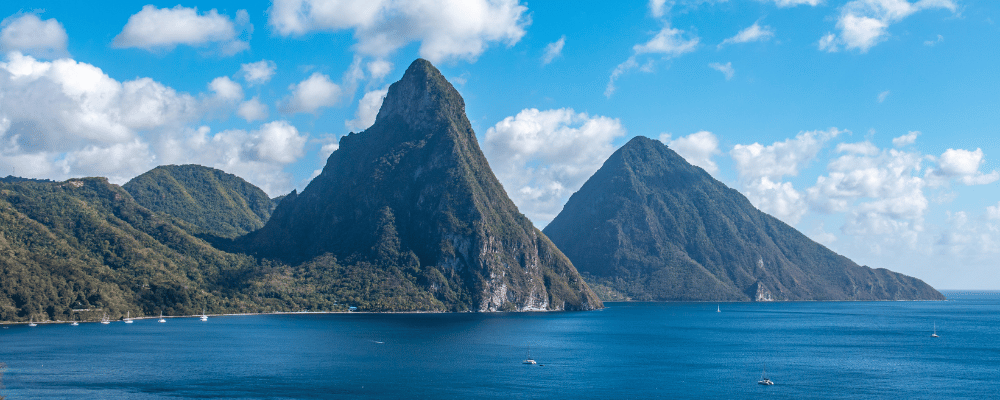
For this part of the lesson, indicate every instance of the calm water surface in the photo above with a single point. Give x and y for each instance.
(628, 350)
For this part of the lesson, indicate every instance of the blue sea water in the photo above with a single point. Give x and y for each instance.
(815, 350)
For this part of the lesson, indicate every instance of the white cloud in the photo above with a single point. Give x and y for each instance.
(378, 69)
(882, 96)
(906, 139)
(793, 3)
(29, 34)
(657, 8)
(450, 29)
(964, 165)
(697, 148)
(934, 42)
(368, 108)
(753, 33)
(726, 69)
(315, 92)
(65, 119)
(761, 169)
(226, 89)
(164, 28)
(993, 212)
(553, 50)
(252, 110)
(542, 157)
(258, 73)
(668, 43)
(864, 23)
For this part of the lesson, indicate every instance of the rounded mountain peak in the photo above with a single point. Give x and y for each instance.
(422, 96)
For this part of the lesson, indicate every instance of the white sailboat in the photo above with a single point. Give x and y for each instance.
(203, 316)
(105, 319)
(161, 317)
(718, 308)
(528, 359)
(763, 378)
(75, 323)
(935, 330)
(128, 317)
(32, 322)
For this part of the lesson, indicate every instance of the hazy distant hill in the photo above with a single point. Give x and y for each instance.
(412, 201)
(650, 226)
(215, 202)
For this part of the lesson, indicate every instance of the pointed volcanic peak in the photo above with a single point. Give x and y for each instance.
(650, 226)
(412, 199)
(210, 200)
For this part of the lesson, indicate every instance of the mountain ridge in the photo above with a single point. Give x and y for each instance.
(650, 226)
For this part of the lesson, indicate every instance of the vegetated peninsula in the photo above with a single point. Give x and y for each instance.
(412, 200)
(650, 226)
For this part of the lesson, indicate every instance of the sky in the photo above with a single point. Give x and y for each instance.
(869, 125)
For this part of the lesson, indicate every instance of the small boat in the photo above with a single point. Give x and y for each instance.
(105, 319)
(718, 308)
(203, 316)
(763, 378)
(75, 323)
(528, 359)
(32, 322)
(128, 317)
(161, 317)
(935, 331)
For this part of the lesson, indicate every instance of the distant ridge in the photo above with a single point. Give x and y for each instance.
(213, 201)
(650, 226)
(412, 200)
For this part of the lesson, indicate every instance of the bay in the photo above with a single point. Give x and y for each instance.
(818, 350)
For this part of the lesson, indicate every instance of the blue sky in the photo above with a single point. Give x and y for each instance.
(869, 125)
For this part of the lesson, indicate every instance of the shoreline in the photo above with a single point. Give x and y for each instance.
(6, 324)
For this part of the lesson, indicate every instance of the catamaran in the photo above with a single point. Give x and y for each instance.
(763, 378)
(128, 317)
(203, 316)
(528, 359)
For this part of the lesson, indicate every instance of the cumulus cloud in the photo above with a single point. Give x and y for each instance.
(906, 139)
(793, 3)
(993, 212)
(453, 29)
(378, 69)
(864, 23)
(252, 110)
(553, 50)
(313, 93)
(164, 28)
(29, 34)
(697, 148)
(542, 157)
(963, 165)
(258, 73)
(226, 89)
(368, 108)
(753, 33)
(761, 169)
(667, 43)
(726, 69)
(64, 119)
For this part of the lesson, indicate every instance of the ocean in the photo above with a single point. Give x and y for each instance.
(814, 350)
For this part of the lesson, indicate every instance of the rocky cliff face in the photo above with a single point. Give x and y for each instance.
(414, 193)
(650, 226)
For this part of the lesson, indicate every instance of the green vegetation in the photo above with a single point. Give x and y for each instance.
(414, 197)
(650, 226)
(209, 200)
